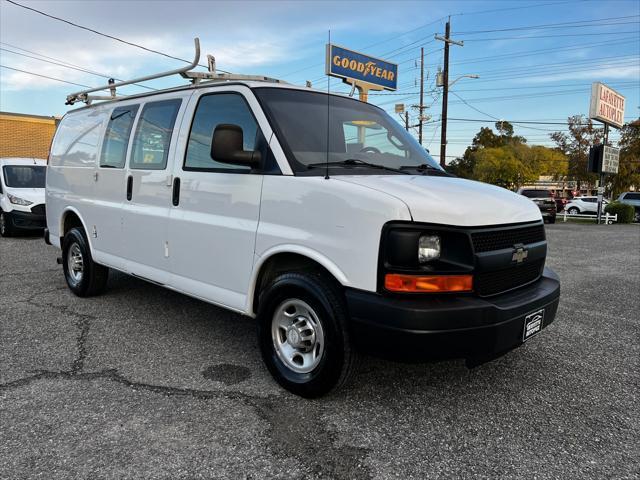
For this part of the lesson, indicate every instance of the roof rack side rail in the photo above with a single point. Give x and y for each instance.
(84, 96)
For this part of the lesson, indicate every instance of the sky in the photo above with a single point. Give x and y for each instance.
(536, 59)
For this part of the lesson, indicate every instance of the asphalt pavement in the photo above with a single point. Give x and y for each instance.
(142, 382)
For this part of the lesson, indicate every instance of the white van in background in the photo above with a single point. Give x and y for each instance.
(22, 182)
(318, 214)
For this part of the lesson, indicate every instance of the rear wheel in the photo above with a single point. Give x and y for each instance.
(84, 277)
(5, 225)
(636, 216)
(302, 330)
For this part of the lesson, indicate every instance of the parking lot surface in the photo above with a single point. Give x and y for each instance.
(144, 382)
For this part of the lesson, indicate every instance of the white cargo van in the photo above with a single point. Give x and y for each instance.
(317, 214)
(22, 182)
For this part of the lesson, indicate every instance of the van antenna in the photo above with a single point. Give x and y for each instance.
(326, 175)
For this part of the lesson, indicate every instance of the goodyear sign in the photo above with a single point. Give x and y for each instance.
(358, 68)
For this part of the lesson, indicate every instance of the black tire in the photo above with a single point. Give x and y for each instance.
(636, 216)
(93, 277)
(552, 219)
(326, 300)
(573, 211)
(5, 225)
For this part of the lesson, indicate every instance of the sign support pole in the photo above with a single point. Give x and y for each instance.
(601, 181)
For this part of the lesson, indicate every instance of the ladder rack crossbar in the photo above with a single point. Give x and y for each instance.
(83, 95)
(185, 72)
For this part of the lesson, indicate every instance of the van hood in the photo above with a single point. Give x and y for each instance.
(451, 200)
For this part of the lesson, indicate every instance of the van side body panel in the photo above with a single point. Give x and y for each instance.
(70, 174)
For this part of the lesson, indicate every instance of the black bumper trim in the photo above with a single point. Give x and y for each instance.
(26, 220)
(453, 326)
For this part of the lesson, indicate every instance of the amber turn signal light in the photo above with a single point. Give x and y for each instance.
(395, 282)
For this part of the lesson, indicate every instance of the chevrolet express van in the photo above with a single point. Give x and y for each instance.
(22, 182)
(316, 214)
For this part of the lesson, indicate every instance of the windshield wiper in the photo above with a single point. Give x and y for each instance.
(349, 162)
(423, 168)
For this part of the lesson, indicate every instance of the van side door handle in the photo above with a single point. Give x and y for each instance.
(175, 198)
(129, 187)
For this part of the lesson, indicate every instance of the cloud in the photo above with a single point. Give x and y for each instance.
(596, 73)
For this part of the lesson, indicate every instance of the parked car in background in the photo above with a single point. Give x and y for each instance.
(633, 199)
(561, 202)
(544, 200)
(585, 205)
(22, 182)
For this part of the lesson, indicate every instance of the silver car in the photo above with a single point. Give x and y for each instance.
(633, 199)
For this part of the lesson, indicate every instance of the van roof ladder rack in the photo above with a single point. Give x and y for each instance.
(185, 72)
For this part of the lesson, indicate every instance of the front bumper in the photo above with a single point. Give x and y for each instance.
(449, 326)
(26, 220)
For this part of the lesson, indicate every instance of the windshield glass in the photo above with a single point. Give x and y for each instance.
(357, 131)
(24, 176)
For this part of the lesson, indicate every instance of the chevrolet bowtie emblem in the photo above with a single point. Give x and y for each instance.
(519, 253)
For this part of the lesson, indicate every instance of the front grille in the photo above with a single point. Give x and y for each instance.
(38, 209)
(500, 239)
(497, 281)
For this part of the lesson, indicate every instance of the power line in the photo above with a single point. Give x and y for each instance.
(72, 67)
(480, 12)
(573, 24)
(106, 35)
(46, 76)
(549, 36)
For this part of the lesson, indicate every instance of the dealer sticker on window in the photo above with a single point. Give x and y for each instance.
(533, 324)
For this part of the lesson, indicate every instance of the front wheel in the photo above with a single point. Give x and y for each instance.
(636, 216)
(5, 225)
(573, 211)
(302, 330)
(84, 277)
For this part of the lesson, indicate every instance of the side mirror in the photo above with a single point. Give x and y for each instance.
(227, 147)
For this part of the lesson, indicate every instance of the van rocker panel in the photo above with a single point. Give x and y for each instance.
(449, 326)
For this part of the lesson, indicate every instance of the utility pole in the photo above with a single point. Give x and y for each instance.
(445, 90)
(406, 120)
(421, 107)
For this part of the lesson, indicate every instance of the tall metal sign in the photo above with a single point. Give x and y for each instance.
(607, 106)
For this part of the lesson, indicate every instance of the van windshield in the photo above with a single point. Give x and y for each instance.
(24, 176)
(360, 134)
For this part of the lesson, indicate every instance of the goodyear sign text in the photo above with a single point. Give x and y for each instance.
(358, 68)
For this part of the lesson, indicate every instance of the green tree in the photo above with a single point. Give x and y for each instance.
(546, 161)
(575, 145)
(486, 138)
(629, 170)
(500, 166)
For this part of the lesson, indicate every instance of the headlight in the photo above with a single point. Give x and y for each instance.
(428, 248)
(18, 201)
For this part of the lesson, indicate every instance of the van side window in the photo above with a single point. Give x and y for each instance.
(116, 138)
(153, 135)
(211, 111)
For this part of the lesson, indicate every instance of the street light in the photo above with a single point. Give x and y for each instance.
(440, 79)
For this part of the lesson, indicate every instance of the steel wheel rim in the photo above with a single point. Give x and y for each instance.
(75, 263)
(297, 334)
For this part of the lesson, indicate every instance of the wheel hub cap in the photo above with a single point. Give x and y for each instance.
(297, 335)
(75, 262)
